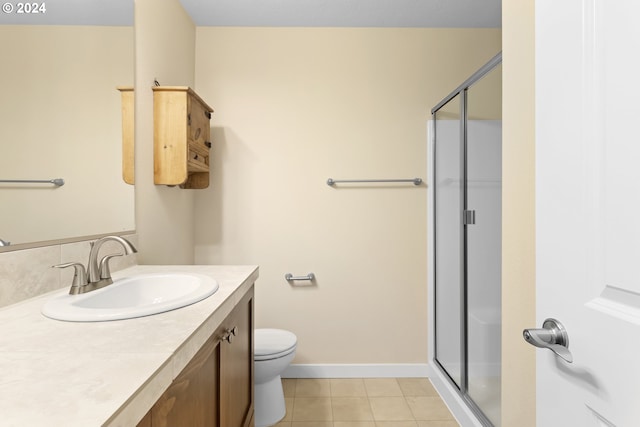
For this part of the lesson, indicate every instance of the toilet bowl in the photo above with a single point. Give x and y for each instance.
(274, 349)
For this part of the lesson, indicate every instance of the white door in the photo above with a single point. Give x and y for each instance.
(588, 209)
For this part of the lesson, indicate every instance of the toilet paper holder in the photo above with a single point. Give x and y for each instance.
(290, 277)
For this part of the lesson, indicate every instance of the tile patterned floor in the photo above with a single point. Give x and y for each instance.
(364, 402)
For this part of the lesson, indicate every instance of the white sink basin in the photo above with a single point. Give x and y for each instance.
(135, 296)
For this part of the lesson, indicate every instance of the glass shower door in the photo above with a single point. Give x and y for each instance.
(467, 180)
(484, 242)
(448, 239)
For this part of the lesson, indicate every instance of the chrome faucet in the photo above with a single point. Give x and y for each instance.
(97, 272)
(97, 275)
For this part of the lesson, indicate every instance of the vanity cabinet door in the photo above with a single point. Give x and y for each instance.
(191, 400)
(146, 421)
(215, 389)
(236, 371)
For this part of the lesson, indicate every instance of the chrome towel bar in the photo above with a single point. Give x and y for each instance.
(58, 182)
(290, 277)
(331, 181)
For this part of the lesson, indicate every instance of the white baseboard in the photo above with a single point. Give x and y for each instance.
(401, 370)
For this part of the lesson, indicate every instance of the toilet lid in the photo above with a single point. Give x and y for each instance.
(272, 342)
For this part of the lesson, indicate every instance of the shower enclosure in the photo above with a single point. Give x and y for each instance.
(466, 219)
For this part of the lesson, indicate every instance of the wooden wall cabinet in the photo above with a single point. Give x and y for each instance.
(128, 129)
(182, 137)
(215, 389)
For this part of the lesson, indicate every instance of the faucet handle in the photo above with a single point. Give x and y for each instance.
(105, 271)
(79, 276)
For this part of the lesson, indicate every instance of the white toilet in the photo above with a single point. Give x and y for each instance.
(274, 349)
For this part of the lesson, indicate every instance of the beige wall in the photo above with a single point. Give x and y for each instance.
(485, 97)
(60, 118)
(293, 108)
(165, 50)
(518, 215)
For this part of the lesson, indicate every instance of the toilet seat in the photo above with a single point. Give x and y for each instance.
(273, 343)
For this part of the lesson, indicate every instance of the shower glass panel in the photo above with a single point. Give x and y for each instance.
(448, 239)
(467, 197)
(484, 197)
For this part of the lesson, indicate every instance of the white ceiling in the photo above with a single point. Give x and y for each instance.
(279, 13)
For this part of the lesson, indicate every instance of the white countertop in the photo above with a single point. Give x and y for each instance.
(68, 374)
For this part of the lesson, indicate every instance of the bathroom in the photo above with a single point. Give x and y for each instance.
(293, 108)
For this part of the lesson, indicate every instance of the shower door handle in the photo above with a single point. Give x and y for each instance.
(553, 336)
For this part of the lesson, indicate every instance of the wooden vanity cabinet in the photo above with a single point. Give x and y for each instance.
(182, 137)
(215, 389)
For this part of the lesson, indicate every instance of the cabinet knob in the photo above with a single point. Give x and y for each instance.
(229, 334)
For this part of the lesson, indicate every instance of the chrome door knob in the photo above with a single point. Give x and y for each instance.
(553, 336)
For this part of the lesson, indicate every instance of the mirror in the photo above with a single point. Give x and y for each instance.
(60, 118)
